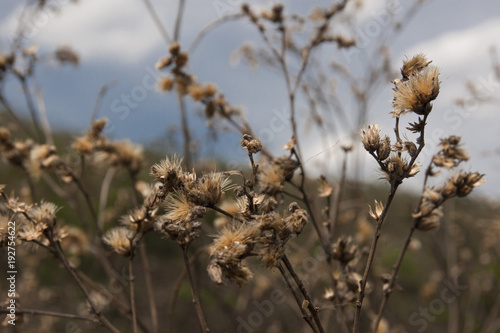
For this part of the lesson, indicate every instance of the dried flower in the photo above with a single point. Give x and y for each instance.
(416, 94)
(163, 62)
(44, 215)
(119, 239)
(324, 189)
(297, 220)
(165, 84)
(65, 55)
(208, 190)
(384, 149)
(196, 92)
(253, 145)
(344, 250)
(271, 179)
(371, 138)
(168, 172)
(414, 65)
(379, 207)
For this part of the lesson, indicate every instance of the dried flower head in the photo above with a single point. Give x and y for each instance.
(344, 250)
(430, 221)
(44, 215)
(168, 172)
(119, 239)
(166, 83)
(253, 145)
(65, 55)
(414, 65)
(208, 190)
(371, 138)
(271, 179)
(297, 220)
(324, 188)
(415, 94)
(466, 181)
(163, 63)
(379, 207)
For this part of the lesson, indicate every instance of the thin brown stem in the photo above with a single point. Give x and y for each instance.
(98, 100)
(31, 106)
(307, 317)
(176, 288)
(51, 314)
(210, 27)
(334, 217)
(11, 112)
(90, 206)
(312, 309)
(371, 256)
(149, 287)
(194, 293)
(132, 292)
(49, 139)
(392, 280)
(157, 22)
(74, 275)
(178, 19)
(185, 131)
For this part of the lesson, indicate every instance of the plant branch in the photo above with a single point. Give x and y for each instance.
(51, 314)
(312, 309)
(307, 317)
(196, 301)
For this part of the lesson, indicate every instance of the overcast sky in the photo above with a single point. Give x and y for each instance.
(117, 40)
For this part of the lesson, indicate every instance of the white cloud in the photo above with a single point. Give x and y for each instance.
(459, 50)
(113, 30)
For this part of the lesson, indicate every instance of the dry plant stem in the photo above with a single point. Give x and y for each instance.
(185, 131)
(210, 27)
(121, 305)
(492, 317)
(30, 184)
(312, 309)
(31, 106)
(397, 265)
(103, 195)
(178, 19)
(149, 287)
(307, 317)
(132, 292)
(175, 290)
(157, 22)
(392, 279)
(49, 139)
(19, 123)
(222, 211)
(74, 275)
(371, 256)
(51, 314)
(196, 301)
(338, 198)
(98, 100)
(89, 205)
(309, 204)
